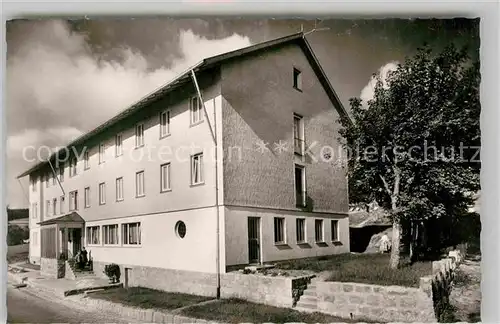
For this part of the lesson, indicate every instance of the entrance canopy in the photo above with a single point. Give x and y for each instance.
(72, 217)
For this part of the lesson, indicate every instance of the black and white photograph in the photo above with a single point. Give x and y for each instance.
(243, 170)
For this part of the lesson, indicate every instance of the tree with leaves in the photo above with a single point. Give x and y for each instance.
(414, 148)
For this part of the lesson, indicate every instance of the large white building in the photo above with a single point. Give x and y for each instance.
(148, 190)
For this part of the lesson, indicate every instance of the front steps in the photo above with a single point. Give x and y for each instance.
(308, 302)
(72, 272)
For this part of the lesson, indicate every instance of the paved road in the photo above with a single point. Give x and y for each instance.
(23, 306)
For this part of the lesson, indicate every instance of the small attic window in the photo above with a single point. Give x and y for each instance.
(297, 79)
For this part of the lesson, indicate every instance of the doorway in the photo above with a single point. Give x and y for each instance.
(76, 238)
(254, 240)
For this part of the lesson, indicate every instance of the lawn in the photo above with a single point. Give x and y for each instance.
(148, 298)
(362, 268)
(240, 311)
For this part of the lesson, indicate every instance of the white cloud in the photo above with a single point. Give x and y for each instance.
(56, 87)
(369, 90)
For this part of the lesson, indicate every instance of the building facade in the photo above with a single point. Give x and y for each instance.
(173, 186)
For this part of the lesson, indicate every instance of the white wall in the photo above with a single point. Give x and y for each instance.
(160, 246)
(236, 235)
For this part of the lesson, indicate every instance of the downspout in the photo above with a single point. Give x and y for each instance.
(214, 138)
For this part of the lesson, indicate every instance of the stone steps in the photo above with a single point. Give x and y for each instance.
(308, 302)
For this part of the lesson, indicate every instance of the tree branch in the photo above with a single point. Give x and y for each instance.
(386, 185)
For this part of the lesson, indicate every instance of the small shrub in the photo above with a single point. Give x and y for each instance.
(113, 272)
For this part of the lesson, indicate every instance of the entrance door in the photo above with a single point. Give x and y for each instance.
(77, 240)
(253, 240)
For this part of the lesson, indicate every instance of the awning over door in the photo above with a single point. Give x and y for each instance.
(72, 217)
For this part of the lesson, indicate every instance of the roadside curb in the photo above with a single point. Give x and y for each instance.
(143, 315)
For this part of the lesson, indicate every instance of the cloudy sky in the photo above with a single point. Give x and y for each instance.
(66, 77)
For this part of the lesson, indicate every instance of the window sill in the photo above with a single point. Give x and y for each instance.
(280, 244)
(140, 196)
(302, 243)
(165, 136)
(94, 245)
(298, 89)
(132, 245)
(87, 168)
(138, 146)
(165, 190)
(320, 242)
(86, 207)
(197, 184)
(111, 245)
(118, 155)
(119, 200)
(102, 204)
(197, 123)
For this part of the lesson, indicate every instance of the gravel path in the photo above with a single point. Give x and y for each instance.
(466, 292)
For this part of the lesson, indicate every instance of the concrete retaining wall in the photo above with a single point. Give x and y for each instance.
(189, 282)
(274, 291)
(391, 303)
(52, 268)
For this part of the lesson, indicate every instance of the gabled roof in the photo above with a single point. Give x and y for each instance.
(205, 64)
(72, 217)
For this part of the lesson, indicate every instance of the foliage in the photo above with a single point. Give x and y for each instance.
(241, 311)
(148, 298)
(112, 271)
(362, 268)
(16, 235)
(415, 146)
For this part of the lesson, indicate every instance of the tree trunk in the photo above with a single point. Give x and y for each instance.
(396, 244)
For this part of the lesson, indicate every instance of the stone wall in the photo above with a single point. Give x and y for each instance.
(379, 303)
(391, 303)
(189, 282)
(274, 291)
(52, 268)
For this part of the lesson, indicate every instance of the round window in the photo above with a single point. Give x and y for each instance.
(180, 229)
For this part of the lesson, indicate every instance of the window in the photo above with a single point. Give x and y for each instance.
(102, 153)
(86, 160)
(61, 173)
(86, 197)
(72, 168)
(73, 200)
(298, 134)
(139, 184)
(165, 177)
(48, 208)
(131, 234)
(300, 186)
(180, 229)
(54, 206)
(118, 145)
(335, 230)
(102, 193)
(165, 123)
(94, 235)
(139, 135)
(119, 189)
(34, 210)
(318, 230)
(110, 234)
(196, 110)
(297, 79)
(197, 169)
(61, 203)
(301, 230)
(279, 230)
